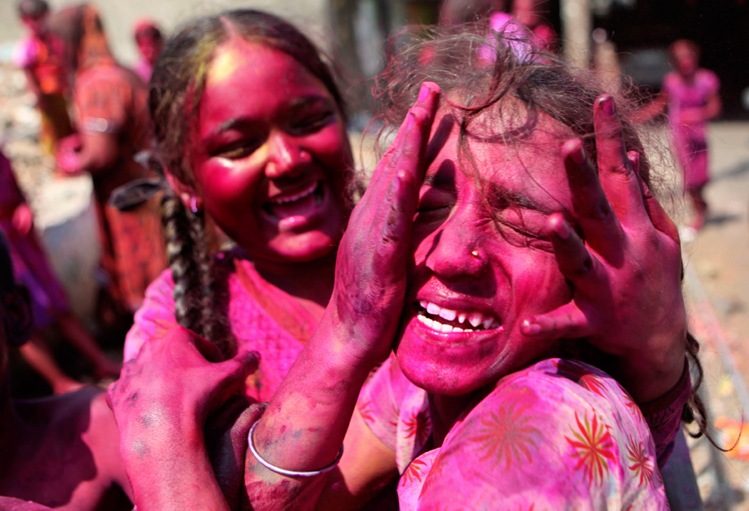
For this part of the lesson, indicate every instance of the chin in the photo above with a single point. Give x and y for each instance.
(450, 369)
(305, 247)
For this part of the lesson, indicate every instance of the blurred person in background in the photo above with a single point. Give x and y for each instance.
(42, 57)
(690, 94)
(113, 126)
(48, 299)
(149, 40)
(59, 451)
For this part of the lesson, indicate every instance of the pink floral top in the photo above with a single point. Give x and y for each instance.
(250, 323)
(557, 435)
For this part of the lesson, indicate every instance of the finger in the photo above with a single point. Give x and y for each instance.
(658, 216)
(600, 226)
(411, 137)
(567, 321)
(577, 265)
(227, 456)
(409, 167)
(619, 182)
(233, 372)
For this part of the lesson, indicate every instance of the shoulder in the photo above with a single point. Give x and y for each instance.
(671, 80)
(155, 317)
(565, 421)
(709, 79)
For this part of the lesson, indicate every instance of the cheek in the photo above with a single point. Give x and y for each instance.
(331, 148)
(538, 285)
(228, 182)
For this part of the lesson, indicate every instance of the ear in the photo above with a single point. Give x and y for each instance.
(18, 319)
(186, 193)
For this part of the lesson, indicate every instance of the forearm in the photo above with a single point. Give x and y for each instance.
(653, 370)
(305, 424)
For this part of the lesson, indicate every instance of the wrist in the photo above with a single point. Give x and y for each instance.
(348, 349)
(652, 370)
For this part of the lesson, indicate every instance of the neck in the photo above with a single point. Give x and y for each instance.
(311, 280)
(446, 410)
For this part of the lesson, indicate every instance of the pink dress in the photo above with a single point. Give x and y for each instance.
(556, 435)
(249, 321)
(30, 263)
(690, 139)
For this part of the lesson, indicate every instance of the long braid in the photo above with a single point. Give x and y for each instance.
(180, 247)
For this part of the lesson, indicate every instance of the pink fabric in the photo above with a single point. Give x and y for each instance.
(690, 140)
(43, 57)
(30, 265)
(249, 323)
(143, 69)
(557, 435)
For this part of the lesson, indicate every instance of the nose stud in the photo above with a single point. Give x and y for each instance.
(475, 253)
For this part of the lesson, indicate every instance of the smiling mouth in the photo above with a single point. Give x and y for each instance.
(299, 203)
(442, 319)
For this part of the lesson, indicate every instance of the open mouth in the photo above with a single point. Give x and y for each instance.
(442, 319)
(301, 202)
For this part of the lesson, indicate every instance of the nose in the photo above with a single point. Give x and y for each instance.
(456, 249)
(285, 156)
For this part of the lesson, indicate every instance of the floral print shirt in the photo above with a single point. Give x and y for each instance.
(557, 435)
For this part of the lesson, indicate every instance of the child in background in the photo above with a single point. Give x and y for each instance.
(690, 93)
(149, 39)
(42, 55)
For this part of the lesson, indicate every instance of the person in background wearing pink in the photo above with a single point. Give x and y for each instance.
(691, 96)
(48, 298)
(149, 39)
(59, 451)
(42, 56)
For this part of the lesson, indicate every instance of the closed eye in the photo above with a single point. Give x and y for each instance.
(311, 122)
(237, 149)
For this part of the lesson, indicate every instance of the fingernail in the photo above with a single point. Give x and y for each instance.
(608, 105)
(424, 92)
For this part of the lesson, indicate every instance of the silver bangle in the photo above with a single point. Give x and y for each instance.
(283, 471)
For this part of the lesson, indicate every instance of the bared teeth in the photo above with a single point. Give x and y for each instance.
(475, 320)
(285, 199)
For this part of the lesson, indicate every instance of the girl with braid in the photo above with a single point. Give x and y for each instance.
(251, 134)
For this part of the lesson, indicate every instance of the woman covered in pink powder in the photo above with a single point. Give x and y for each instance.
(484, 265)
(511, 229)
(691, 96)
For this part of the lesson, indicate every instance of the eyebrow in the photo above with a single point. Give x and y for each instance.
(235, 123)
(240, 123)
(513, 198)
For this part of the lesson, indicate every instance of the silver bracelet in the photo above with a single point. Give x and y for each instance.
(283, 471)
